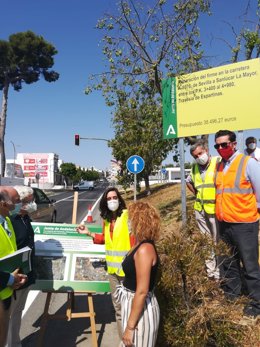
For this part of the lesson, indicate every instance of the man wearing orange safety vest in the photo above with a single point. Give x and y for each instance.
(237, 209)
(201, 183)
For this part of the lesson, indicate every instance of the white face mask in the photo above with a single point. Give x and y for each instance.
(252, 145)
(203, 159)
(113, 205)
(30, 207)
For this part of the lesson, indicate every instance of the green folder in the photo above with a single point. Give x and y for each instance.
(19, 259)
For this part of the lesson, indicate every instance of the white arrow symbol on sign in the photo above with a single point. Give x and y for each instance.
(135, 162)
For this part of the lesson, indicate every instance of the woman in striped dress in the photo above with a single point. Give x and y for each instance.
(139, 307)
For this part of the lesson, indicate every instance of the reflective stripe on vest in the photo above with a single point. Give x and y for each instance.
(114, 265)
(117, 248)
(205, 196)
(235, 198)
(7, 246)
(117, 253)
(206, 201)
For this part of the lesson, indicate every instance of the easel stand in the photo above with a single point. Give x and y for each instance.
(69, 314)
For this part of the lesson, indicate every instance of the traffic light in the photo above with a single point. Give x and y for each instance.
(77, 140)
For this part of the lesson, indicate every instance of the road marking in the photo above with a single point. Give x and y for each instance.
(30, 299)
(78, 200)
(72, 196)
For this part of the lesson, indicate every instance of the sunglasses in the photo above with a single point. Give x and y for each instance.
(222, 145)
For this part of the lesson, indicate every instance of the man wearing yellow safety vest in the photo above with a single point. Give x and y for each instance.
(201, 183)
(237, 209)
(117, 241)
(8, 281)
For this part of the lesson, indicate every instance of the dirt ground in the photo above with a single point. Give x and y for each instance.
(167, 199)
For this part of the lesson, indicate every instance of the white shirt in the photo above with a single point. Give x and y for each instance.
(255, 154)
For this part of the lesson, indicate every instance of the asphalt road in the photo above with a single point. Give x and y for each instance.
(76, 332)
(86, 199)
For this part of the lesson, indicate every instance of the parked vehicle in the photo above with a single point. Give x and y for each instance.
(84, 185)
(46, 211)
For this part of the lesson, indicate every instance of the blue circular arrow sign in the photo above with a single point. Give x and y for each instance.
(135, 164)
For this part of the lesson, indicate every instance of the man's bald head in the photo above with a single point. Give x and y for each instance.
(6, 204)
(12, 193)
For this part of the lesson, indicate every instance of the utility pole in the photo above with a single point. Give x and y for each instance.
(13, 171)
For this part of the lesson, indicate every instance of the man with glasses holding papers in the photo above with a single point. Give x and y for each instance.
(9, 201)
(24, 235)
(237, 210)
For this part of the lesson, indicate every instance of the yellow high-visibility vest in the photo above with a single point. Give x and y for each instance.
(117, 248)
(7, 246)
(206, 191)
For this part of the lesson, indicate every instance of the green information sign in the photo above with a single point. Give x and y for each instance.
(169, 109)
(225, 97)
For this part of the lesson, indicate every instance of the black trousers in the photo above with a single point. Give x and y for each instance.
(242, 264)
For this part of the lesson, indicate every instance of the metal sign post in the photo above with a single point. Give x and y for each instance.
(163, 175)
(183, 183)
(134, 187)
(135, 164)
(240, 141)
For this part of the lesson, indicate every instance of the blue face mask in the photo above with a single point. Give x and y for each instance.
(16, 209)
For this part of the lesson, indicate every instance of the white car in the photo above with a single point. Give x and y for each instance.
(84, 185)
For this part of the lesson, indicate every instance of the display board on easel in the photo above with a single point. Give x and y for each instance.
(67, 260)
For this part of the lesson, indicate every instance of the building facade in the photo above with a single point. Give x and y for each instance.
(39, 168)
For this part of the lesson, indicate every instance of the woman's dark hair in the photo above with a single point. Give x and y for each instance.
(105, 213)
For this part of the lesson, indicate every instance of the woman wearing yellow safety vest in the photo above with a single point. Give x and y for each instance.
(117, 240)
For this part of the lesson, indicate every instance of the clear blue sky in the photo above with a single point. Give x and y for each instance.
(43, 117)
